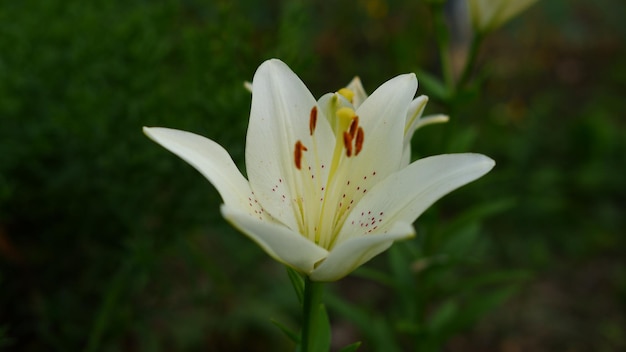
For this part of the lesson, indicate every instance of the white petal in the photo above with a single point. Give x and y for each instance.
(510, 10)
(431, 119)
(415, 121)
(210, 159)
(359, 92)
(416, 109)
(382, 117)
(413, 116)
(281, 243)
(279, 117)
(406, 155)
(351, 254)
(403, 196)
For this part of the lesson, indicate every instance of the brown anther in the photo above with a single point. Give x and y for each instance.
(313, 120)
(354, 125)
(347, 142)
(358, 144)
(298, 154)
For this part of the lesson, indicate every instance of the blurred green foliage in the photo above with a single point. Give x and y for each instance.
(109, 243)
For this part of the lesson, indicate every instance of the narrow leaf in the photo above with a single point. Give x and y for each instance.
(322, 333)
(433, 85)
(297, 282)
(351, 348)
(444, 315)
(375, 329)
(290, 333)
(378, 276)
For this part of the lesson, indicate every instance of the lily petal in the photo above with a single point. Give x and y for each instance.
(351, 254)
(421, 122)
(210, 159)
(382, 117)
(281, 243)
(279, 119)
(359, 92)
(406, 194)
(416, 109)
(415, 121)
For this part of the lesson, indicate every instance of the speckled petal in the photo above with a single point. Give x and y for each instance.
(351, 254)
(281, 243)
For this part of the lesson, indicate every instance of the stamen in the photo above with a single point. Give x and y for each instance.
(298, 154)
(354, 125)
(313, 119)
(358, 144)
(347, 142)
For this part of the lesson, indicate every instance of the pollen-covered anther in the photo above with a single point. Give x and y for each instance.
(347, 143)
(354, 125)
(358, 143)
(298, 154)
(313, 120)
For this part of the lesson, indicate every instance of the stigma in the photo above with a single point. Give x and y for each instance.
(347, 93)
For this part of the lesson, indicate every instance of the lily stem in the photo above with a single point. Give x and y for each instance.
(471, 59)
(443, 43)
(313, 292)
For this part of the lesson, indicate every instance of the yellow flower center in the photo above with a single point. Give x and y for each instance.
(322, 221)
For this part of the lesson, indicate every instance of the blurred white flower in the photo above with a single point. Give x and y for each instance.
(487, 15)
(329, 183)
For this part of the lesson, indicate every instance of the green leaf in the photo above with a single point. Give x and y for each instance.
(400, 265)
(481, 211)
(293, 336)
(402, 275)
(376, 329)
(351, 348)
(498, 277)
(461, 242)
(463, 140)
(442, 318)
(373, 275)
(297, 282)
(469, 221)
(483, 303)
(433, 86)
(321, 331)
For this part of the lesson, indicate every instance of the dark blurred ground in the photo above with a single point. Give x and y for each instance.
(108, 242)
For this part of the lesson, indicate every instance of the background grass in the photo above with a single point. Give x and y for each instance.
(109, 243)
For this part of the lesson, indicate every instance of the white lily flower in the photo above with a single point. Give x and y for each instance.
(487, 15)
(327, 187)
(413, 121)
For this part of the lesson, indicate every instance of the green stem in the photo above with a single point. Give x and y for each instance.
(471, 60)
(313, 292)
(110, 299)
(443, 43)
